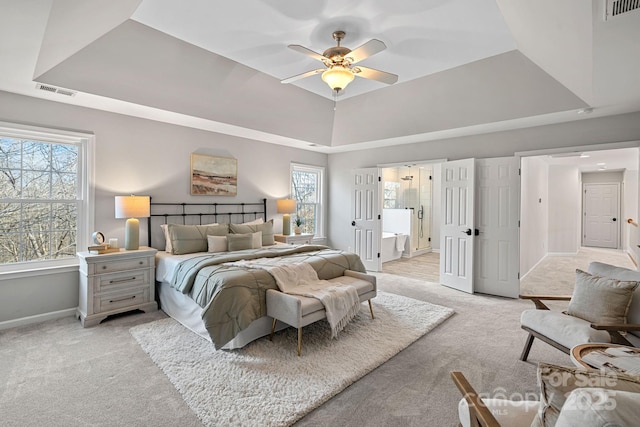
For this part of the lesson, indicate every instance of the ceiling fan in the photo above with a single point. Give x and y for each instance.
(339, 61)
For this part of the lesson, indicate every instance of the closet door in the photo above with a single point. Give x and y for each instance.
(365, 211)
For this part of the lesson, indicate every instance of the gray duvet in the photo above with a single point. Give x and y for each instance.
(232, 296)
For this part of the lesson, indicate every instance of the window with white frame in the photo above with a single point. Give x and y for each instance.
(44, 193)
(307, 190)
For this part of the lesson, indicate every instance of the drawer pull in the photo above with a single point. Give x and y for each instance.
(121, 299)
(126, 279)
(141, 262)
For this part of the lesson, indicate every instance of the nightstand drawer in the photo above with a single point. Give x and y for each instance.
(122, 264)
(124, 279)
(117, 300)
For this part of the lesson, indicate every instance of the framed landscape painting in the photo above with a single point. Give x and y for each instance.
(213, 175)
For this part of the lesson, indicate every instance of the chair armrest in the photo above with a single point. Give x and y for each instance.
(477, 407)
(537, 299)
(616, 327)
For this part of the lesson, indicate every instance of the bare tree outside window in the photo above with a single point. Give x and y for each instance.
(38, 200)
(306, 190)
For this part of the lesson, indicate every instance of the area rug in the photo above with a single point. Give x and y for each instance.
(266, 383)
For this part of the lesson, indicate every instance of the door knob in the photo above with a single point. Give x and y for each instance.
(614, 219)
(353, 223)
(468, 232)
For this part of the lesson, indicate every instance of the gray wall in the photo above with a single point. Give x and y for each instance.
(143, 157)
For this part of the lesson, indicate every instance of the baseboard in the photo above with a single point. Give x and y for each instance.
(562, 253)
(38, 318)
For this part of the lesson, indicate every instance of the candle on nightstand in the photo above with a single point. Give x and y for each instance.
(113, 243)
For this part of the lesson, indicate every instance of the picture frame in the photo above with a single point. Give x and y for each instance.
(213, 175)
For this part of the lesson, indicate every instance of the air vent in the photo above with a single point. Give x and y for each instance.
(619, 7)
(53, 89)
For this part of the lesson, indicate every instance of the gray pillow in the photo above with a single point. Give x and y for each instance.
(186, 239)
(600, 299)
(239, 242)
(266, 229)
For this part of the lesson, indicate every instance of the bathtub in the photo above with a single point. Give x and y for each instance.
(389, 250)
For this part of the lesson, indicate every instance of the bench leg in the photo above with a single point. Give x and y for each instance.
(527, 348)
(273, 328)
(299, 341)
(371, 310)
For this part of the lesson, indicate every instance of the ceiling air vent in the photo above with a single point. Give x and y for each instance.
(53, 89)
(619, 7)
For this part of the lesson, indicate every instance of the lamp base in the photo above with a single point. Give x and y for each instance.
(286, 224)
(132, 234)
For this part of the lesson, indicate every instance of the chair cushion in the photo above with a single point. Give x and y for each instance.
(556, 382)
(619, 273)
(599, 407)
(600, 299)
(566, 330)
(510, 413)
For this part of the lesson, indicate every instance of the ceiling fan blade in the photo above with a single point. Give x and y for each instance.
(303, 75)
(377, 75)
(305, 51)
(371, 47)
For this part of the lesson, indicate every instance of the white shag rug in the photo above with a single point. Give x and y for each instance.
(266, 383)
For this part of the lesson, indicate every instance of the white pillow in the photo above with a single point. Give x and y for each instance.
(217, 243)
(254, 222)
(167, 238)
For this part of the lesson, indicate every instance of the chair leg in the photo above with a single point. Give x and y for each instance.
(299, 341)
(273, 328)
(371, 310)
(527, 348)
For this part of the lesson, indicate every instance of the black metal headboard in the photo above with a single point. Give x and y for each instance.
(202, 213)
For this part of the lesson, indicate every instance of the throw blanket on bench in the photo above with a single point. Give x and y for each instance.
(341, 302)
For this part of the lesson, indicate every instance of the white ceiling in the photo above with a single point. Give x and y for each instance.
(422, 37)
(464, 66)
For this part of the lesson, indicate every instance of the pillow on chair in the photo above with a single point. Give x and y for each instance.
(599, 299)
(557, 382)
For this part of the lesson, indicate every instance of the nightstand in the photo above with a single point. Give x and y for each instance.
(294, 239)
(114, 283)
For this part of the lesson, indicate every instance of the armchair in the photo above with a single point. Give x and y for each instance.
(605, 307)
(568, 397)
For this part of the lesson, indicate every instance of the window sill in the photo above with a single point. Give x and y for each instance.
(19, 271)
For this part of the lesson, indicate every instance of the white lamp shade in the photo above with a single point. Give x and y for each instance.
(133, 206)
(286, 206)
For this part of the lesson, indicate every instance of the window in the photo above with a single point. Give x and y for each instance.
(44, 192)
(391, 190)
(307, 191)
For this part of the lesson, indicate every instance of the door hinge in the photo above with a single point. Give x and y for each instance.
(518, 275)
(378, 254)
(379, 217)
(430, 177)
(518, 223)
(519, 171)
(429, 239)
(379, 178)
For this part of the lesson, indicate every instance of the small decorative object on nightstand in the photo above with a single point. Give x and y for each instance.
(294, 239)
(114, 283)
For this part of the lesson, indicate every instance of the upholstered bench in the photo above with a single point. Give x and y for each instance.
(299, 311)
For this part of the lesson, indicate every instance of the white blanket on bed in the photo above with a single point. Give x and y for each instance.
(341, 302)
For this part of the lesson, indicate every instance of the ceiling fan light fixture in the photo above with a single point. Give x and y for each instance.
(337, 77)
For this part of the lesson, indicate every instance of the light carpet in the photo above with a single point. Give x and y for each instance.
(266, 383)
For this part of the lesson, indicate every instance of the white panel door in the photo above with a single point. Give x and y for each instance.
(456, 239)
(496, 218)
(365, 211)
(601, 212)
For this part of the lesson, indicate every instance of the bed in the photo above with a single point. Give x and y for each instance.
(199, 282)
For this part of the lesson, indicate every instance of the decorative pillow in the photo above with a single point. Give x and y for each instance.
(167, 238)
(600, 299)
(266, 229)
(556, 382)
(217, 243)
(254, 222)
(599, 407)
(186, 239)
(239, 242)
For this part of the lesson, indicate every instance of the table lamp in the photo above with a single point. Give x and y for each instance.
(286, 207)
(132, 208)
